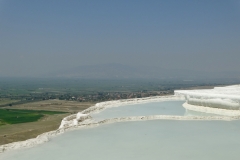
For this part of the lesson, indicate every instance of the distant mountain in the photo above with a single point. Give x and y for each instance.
(119, 71)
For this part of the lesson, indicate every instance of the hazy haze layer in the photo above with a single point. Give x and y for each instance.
(41, 37)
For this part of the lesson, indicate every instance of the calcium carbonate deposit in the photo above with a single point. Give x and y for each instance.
(219, 97)
(220, 100)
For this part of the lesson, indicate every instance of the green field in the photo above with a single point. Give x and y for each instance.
(14, 116)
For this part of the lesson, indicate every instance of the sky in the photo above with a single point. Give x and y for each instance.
(38, 37)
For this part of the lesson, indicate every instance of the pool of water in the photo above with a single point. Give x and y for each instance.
(196, 113)
(145, 109)
(155, 139)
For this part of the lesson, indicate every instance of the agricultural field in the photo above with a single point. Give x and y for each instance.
(14, 116)
(24, 121)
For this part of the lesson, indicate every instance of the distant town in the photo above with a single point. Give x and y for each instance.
(95, 97)
(103, 96)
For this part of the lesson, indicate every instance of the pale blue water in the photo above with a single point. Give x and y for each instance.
(196, 113)
(156, 139)
(146, 109)
(143, 140)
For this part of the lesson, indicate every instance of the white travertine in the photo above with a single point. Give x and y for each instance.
(219, 97)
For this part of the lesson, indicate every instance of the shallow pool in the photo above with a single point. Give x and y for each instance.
(146, 109)
(155, 139)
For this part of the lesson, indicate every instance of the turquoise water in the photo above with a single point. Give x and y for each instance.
(156, 139)
(145, 109)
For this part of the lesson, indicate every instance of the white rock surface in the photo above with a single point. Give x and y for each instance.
(219, 97)
(73, 120)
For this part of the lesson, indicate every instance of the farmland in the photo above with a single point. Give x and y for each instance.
(14, 116)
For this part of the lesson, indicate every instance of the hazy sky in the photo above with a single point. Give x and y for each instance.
(40, 36)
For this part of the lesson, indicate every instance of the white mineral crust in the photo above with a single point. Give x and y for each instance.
(219, 97)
